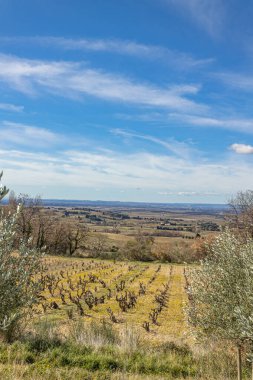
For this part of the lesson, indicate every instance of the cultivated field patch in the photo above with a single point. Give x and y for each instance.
(149, 297)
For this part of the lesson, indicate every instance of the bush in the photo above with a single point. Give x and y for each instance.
(18, 289)
(139, 249)
(176, 251)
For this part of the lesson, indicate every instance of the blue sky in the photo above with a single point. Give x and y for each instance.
(141, 100)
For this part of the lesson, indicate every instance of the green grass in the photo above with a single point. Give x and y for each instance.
(38, 357)
(98, 351)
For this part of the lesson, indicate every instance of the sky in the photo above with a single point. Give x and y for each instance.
(130, 100)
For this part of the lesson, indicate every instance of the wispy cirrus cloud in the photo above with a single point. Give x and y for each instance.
(76, 79)
(11, 107)
(209, 15)
(17, 134)
(178, 148)
(205, 121)
(234, 124)
(240, 81)
(176, 59)
(242, 148)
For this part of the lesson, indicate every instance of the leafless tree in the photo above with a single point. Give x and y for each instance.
(241, 215)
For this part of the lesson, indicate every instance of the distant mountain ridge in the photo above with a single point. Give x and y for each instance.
(141, 205)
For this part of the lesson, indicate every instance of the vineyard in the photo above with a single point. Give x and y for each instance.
(150, 297)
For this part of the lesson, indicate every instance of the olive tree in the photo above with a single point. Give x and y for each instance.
(221, 293)
(18, 267)
(3, 190)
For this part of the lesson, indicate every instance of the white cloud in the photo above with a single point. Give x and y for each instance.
(209, 15)
(21, 134)
(178, 148)
(73, 79)
(67, 171)
(176, 59)
(189, 193)
(11, 107)
(240, 81)
(242, 148)
(24, 74)
(235, 124)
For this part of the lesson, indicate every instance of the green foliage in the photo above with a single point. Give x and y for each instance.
(46, 337)
(221, 291)
(3, 190)
(18, 289)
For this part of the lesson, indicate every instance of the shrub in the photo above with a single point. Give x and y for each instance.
(220, 293)
(18, 288)
(139, 249)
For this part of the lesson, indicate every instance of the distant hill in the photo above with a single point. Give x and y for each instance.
(183, 207)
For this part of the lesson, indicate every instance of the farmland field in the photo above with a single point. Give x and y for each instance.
(100, 319)
(148, 296)
(114, 307)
